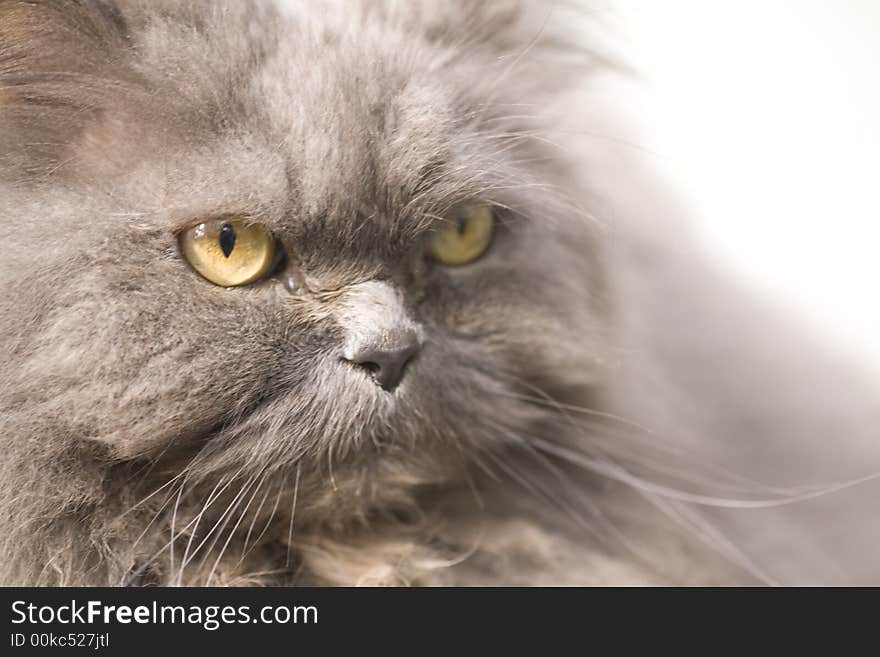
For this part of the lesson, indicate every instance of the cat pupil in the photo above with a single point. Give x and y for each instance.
(227, 239)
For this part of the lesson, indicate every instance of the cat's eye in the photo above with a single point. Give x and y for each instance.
(229, 252)
(465, 239)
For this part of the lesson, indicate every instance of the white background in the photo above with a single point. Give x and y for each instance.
(767, 115)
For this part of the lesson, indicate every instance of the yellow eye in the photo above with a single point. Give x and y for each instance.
(229, 252)
(464, 240)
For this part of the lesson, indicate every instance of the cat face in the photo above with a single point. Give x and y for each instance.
(347, 144)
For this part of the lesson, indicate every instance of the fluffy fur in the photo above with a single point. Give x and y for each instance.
(157, 429)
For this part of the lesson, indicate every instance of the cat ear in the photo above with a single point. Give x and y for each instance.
(59, 62)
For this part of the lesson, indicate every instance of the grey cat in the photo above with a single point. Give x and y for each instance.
(301, 293)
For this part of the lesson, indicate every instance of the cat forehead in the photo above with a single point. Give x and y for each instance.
(358, 123)
(343, 108)
(354, 129)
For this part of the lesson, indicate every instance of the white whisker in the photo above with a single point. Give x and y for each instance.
(292, 516)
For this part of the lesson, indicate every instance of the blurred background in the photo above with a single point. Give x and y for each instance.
(766, 116)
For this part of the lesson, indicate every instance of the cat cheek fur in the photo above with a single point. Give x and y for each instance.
(137, 395)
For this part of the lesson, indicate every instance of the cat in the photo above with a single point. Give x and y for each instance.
(307, 293)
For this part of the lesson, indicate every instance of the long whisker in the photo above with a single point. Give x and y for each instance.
(292, 516)
(250, 530)
(546, 400)
(154, 518)
(715, 476)
(222, 521)
(269, 519)
(531, 486)
(212, 497)
(617, 473)
(174, 522)
(143, 500)
(594, 509)
(710, 535)
(235, 528)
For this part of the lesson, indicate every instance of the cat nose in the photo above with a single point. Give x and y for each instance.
(381, 337)
(386, 361)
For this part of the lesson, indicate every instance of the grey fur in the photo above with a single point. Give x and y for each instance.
(159, 429)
